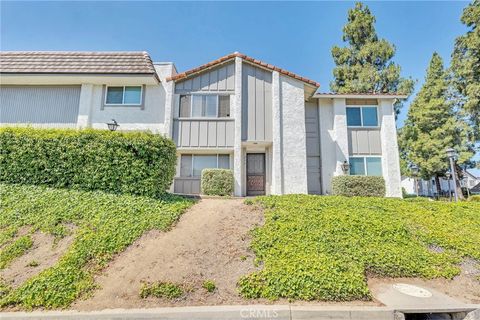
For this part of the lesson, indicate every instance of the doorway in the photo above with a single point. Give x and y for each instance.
(255, 174)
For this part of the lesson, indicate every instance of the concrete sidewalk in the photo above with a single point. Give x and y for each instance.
(240, 312)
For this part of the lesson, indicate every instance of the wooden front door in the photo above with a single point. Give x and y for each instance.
(255, 174)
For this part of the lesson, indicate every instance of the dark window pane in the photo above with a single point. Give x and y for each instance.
(374, 166)
(197, 102)
(185, 106)
(201, 162)
(224, 107)
(353, 116)
(357, 166)
(114, 95)
(211, 106)
(224, 161)
(133, 95)
(370, 116)
(186, 166)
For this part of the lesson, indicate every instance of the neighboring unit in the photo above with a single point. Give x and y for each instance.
(265, 123)
(428, 188)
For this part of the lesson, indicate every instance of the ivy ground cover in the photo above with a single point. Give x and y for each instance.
(105, 224)
(324, 247)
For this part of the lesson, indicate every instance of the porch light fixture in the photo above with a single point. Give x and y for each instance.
(345, 167)
(112, 126)
(451, 156)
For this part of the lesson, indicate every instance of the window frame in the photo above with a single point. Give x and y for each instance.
(205, 154)
(123, 97)
(365, 168)
(217, 106)
(361, 115)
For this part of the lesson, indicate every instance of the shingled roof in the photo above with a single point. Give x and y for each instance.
(206, 66)
(76, 62)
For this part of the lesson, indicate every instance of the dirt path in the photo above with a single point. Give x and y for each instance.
(209, 242)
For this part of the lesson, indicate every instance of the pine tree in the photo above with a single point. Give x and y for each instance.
(432, 126)
(365, 65)
(466, 67)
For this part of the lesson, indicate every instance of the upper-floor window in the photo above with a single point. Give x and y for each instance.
(365, 116)
(204, 106)
(126, 95)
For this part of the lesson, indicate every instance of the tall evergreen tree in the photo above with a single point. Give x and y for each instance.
(432, 126)
(365, 65)
(466, 67)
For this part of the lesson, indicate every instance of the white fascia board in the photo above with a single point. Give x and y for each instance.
(72, 79)
(359, 96)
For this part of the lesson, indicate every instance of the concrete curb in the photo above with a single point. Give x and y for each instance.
(240, 312)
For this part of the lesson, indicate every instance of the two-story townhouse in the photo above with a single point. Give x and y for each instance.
(268, 125)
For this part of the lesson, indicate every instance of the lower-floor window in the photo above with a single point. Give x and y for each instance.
(369, 166)
(191, 165)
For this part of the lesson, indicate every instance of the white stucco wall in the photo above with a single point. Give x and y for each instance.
(340, 133)
(328, 144)
(151, 117)
(85, 105)
(165, 70)
(293, 138)
(390, 156)
(238, 159)
(276, 185)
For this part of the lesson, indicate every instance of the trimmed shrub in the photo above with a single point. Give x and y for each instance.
(165, 290)
(218, 182)
(209, 285)
(365, 186)
(139, 163)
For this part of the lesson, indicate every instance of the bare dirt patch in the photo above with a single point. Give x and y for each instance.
(210, 242)
(44, 253)
(465, 287)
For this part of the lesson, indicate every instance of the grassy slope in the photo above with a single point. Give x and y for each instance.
(322, 247)
(106, 224)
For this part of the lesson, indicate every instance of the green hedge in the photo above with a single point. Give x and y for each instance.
(138, 163)
(218, 182)
(366, 186)
(474, 198)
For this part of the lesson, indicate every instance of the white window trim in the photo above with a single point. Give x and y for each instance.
(206, 154)
(361, 116)
(123, 97)
(365, 163)
(202, 95)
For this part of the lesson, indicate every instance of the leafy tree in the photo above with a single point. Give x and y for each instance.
(466, 67)
(432, 126)
(365, 65)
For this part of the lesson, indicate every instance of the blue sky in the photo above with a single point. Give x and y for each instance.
(296, 36)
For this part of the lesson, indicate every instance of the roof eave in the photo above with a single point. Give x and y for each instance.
(109, 74)
(228, 58)
(359, 96)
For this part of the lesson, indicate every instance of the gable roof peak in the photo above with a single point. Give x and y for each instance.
(189, 73)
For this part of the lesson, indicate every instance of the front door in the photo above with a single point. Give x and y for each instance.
(255, 174)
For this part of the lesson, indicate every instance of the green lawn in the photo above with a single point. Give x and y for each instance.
(105, 225)
(314, 247)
